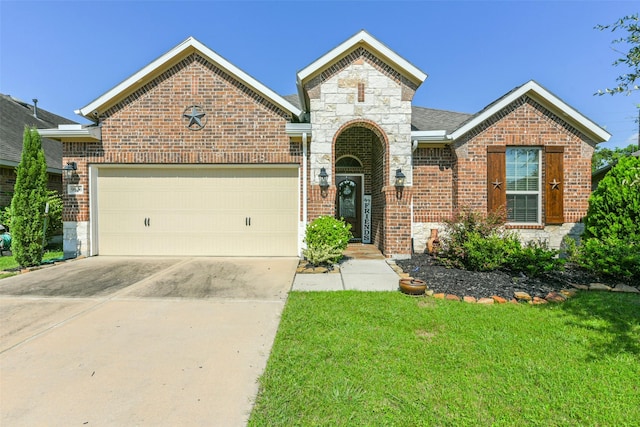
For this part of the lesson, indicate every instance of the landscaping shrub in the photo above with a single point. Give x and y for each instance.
(611, 240)
(535, 258)
(610, 256)
(614, 207)
(326, 239)
(477, 242)
(54, 227)
(28, 202)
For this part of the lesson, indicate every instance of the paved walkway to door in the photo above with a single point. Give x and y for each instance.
(364, 268)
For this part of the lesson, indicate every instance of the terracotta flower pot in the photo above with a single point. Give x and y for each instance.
(411, 286)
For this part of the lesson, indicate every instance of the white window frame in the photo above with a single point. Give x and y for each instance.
(538, 192)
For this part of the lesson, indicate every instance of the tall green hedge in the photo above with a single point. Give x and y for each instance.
(28, 202)
(611, 241)
(614, 207)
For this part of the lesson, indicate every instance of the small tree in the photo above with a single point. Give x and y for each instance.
(28, 202)
(626, 82)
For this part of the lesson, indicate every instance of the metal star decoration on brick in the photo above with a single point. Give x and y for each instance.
(195, 116)
(496, 184)
(555, 185)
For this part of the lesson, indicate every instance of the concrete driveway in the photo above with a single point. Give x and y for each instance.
(138, 341)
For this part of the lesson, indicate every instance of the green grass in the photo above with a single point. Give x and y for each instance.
(350, 358)
(9, 262)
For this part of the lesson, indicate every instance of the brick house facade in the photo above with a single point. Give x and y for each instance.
(192, 146)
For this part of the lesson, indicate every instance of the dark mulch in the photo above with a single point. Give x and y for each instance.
(486, 284)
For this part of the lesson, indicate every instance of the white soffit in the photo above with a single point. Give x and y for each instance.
(365, 38)
(182, 50)
(546, 98)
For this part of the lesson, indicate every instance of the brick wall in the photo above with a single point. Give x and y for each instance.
(148, 127)
(524, 123)
(432, 184)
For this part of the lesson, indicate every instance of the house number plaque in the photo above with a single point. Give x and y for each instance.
(74, 189)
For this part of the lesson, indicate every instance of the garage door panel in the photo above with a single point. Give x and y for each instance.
(198, 211)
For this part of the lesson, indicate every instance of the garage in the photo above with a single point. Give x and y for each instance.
(197, 211)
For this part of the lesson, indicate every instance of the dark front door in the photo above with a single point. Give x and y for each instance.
(349, 203)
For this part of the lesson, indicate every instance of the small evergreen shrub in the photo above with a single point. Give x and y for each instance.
(486, 253)
(326, 239)
(28, 202)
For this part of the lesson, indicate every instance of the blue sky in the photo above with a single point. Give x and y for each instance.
(67, 53)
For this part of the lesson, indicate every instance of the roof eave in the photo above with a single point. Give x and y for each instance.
(549, 100)
(188, 46)
(362, 37)
(86, 134)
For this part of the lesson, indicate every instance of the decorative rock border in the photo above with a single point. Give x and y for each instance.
(524, 297)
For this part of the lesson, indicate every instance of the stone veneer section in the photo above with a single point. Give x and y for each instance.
(386, 110)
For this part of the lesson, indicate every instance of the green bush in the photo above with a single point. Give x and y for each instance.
(610, 256)
(28, 202)
(477, 242)
(54, 227)
(535, 258)
(611, 241)
(326, 239)
(614, 207)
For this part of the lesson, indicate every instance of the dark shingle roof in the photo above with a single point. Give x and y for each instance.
(421, 118)
(14, 115)
(431, 119)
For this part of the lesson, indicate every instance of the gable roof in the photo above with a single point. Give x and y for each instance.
(16, 115)
(167, 60)
(361, 38)
(548, 100)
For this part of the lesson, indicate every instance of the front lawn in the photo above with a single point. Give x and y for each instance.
(356, 358)
(9, 262)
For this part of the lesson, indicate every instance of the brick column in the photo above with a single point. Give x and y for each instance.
(397, 222)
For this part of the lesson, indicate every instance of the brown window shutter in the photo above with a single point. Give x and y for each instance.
(553, 188)
(496, 178)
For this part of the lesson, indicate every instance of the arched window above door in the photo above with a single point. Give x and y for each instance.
(348, 162)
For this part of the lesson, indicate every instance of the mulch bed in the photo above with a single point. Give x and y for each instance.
(480, 284)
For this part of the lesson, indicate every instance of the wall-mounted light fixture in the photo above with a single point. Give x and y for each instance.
(323, 181)
(69, 169)
(400, 178)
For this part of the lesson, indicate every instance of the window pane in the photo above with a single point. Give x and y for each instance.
(522, 169)
(522, 207)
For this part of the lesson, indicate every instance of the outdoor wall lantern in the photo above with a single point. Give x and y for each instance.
(324, 182)
(69, 169)
(399, 183)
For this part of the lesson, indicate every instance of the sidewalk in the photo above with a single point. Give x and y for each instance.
(360, 272)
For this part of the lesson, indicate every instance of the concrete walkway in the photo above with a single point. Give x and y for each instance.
(354, 274)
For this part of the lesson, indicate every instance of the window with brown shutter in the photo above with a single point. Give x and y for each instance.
(554, 185)
(496, 177)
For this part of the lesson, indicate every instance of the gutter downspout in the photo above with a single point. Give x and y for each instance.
(304, 180)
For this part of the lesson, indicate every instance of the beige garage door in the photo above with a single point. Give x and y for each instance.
(195, 211)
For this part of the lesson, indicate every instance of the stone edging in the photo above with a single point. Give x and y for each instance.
(520, 297)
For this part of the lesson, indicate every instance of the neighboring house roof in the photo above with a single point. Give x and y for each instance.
(170, 58)
(548, 100)
(14, 116)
